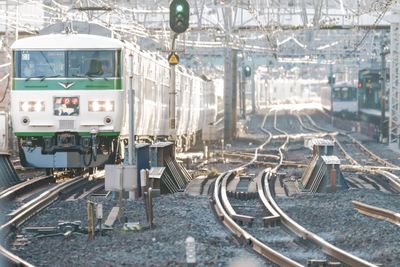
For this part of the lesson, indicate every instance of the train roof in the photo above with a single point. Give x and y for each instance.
(66, 42)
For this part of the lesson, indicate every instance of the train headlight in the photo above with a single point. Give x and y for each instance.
(95, 106)
(23, 106)
(37, 107)
(109, 106)
(101, 106)
(31, 106)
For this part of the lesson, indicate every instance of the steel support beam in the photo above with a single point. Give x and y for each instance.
(394, 120)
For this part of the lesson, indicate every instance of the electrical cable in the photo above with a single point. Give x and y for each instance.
(378, 19)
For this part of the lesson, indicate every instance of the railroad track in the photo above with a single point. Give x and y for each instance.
(24, 187)
(229, 216)
(200, 186)
(22, 214)
(381, 173)
(378, 213)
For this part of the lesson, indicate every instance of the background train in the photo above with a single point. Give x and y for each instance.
(340, 100)
(362, 103)
(69, 100)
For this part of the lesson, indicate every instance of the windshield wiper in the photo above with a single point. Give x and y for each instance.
(83, 76)
(52, 76)
(39, 76)
(42, 77)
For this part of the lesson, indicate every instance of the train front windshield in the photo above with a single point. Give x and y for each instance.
(74, 64)
(344, 94)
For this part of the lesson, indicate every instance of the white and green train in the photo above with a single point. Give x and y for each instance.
(69, 100)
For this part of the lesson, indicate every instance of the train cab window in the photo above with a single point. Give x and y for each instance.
(91, 64)
(345, 94)
(39, 64)
(337, 93)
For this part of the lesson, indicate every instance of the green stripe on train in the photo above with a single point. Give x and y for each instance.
(72, 84)
(43, 134)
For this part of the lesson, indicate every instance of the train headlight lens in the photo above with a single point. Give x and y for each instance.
(24, 106)
(38, 106)
(101, 106)
(31, 106)
(109, 106)
(96, 106)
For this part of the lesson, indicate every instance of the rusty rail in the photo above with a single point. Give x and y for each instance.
(377, 213)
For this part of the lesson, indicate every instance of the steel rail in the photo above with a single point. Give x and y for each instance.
(300, 231)
(243, 235)
(30, 209)
(371, 154)
(394, 180)
(274, 218)
(12, 191)
(303, 125)
(378, 213)
(346, 154)
(11, 259)
(220, 204)
(363, 148)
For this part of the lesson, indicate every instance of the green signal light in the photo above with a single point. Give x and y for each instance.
(179, 14)
(247, 71)
(179, 8)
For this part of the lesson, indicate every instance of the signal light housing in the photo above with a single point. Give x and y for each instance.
(247, 71)
(331, 79)
(179, 13)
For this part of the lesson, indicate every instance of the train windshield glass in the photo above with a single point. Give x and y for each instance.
(40, 64)
(51, 64)
(344, 93)
(91, 64)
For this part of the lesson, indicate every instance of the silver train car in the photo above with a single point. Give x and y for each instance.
(341, 99)
(69, 100)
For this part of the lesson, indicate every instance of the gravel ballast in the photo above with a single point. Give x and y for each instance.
(333, 217)
(175, 217)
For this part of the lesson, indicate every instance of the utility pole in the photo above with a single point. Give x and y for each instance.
(228, 83)
(383, 94)
(179, 13)
(253, 88)
(242, 94)
(131, 101)
(172, 90)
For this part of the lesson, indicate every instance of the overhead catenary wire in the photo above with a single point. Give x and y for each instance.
(387, 4)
